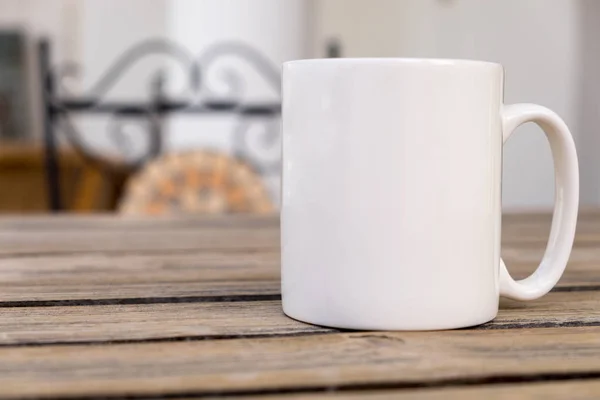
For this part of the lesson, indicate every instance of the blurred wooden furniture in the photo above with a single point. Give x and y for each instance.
(195, 182)
(23, 184)
(132, 308)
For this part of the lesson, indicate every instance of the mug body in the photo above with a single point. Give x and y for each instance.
(391, 192)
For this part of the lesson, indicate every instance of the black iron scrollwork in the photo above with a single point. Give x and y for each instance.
(65, 103)
(231, 80)
(255, 138)
(255, 134)
(147, 48)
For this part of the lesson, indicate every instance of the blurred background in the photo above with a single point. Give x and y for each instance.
(172, 106)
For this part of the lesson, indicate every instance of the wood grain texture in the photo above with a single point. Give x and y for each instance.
(229, 319)
(583, 268)
(573, 390)
(134, 307)
(101, 234)
(201, 273)
(146, 322)
(112, 222)
(316, 362)
(105, 234)
(527, 222)
(92, 276)
(148, 241)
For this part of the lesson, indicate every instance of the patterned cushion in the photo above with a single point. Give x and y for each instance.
(198, 182)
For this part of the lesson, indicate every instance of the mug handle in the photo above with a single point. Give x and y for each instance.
(562, 232)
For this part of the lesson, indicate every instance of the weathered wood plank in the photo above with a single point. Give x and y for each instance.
(112, 276)
(141, 268)
(188, 321)
(46, 235)
(317, 362)
(51, 242)
(572, 390)
(588, 221)
(110, 222)
(205, 320)
(209, 265)
(554, 309)
(115, 222)
(583, 268)
(136, 293)
(43, 244)
(107, 220)
(46, 222)
(200, 273)
(124, 241)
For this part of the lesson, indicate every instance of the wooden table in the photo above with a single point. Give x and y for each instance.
(101, 307)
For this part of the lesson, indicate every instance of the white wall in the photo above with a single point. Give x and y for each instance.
(108, 29)
(277, 29)
(536, 40)
(589, 102)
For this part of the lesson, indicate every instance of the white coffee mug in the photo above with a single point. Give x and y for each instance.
(391, 199)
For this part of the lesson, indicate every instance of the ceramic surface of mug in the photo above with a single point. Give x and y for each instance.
(391, 196)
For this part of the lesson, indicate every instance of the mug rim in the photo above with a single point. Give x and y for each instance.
(431, 62)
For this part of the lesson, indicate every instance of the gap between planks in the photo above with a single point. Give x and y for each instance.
(202, 274)
(565, 387)
(111, 324)
(303, 364)
(558, 386)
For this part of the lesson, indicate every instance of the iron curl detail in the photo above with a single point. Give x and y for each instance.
(127, 60)
(230, 79)
(255, 135)
(260, 149)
